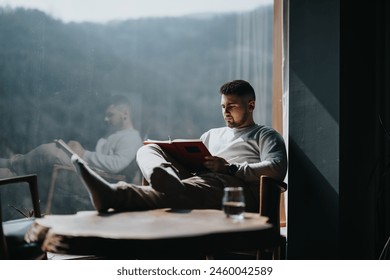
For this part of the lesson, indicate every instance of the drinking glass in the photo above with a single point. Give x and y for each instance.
(233, 203)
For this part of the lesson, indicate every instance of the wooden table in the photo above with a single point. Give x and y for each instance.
(153, 234)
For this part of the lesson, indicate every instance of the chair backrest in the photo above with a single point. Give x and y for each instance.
(270, 191)
(283, 216)
(33, 185)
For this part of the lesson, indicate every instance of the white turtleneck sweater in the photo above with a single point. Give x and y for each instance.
(115, 152)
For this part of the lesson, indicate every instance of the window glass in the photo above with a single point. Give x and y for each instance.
(59, 68)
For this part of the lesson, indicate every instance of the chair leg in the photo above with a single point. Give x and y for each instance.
(51, 189)
(276, 253)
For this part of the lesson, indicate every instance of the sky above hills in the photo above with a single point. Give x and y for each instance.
(106, 10)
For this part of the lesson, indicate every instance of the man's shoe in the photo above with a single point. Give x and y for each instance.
(100, 191)
(162, 181)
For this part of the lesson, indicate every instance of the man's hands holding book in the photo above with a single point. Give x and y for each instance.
(216, 164)
(76, 147)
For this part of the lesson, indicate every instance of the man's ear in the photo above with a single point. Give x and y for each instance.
(251, 105)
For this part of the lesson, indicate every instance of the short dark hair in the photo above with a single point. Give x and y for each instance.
(240, 88)
(120, 101)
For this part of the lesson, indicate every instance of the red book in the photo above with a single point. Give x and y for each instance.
(188, 152)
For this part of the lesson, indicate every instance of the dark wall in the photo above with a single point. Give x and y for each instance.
(314, 130)
(364, 117)
(339, 116)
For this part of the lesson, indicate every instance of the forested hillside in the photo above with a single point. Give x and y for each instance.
(55, 76)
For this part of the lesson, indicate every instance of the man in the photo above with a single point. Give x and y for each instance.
(114, 152)
(242, 152)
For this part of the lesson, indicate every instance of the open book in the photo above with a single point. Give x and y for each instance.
(61, 144)
(188, 152)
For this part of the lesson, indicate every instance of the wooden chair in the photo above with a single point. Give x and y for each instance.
(271, 191)
(12, 243)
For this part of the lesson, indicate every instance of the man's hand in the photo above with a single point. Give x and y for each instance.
(216, 164)
(77, 148)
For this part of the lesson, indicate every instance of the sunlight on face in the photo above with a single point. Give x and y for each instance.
(237, 111)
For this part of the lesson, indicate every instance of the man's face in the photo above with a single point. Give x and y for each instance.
(236, 111)
(114, 118)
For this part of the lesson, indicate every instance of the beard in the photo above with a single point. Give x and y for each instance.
(233, 123)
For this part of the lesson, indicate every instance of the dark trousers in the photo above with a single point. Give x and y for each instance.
(200, 191)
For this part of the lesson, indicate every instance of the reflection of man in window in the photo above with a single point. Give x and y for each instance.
(241, 151)
(114, 152)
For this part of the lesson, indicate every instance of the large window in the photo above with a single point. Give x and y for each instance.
(56, 73)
